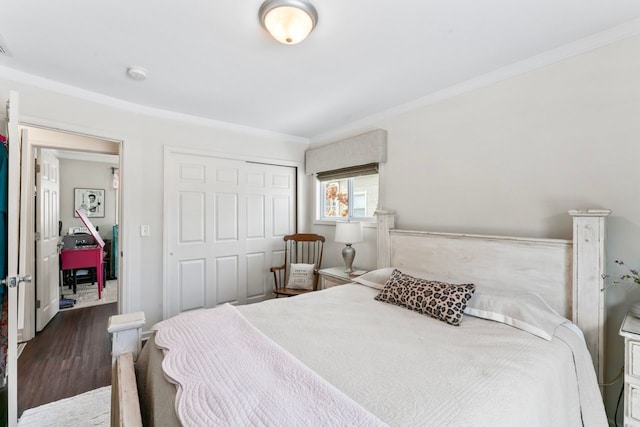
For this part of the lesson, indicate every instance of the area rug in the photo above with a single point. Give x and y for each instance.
(87, 294)
(92, 408)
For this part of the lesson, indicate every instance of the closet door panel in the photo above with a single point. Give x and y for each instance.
(224, 222)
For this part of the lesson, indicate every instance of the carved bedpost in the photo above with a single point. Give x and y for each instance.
(386, 222)
(588, 280)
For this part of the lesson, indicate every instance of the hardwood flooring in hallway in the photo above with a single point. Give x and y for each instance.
(70, 356)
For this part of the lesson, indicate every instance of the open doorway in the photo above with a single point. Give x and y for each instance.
(90, 181)
(66, 169)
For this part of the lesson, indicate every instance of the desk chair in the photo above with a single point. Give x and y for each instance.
(85, 275)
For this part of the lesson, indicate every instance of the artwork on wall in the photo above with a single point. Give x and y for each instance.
(91, 200)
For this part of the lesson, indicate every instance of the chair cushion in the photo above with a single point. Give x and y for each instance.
(301, 276)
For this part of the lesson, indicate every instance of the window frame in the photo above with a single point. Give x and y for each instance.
(318, 204)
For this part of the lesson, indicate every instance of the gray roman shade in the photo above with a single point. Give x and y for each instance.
(366, 150)
(361, 170)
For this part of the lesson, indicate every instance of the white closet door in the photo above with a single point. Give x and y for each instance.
(221, 230)
(271, 201)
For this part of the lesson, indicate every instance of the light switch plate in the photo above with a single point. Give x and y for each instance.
(144, 231)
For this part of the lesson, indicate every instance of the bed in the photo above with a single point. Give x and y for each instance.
(341, 357)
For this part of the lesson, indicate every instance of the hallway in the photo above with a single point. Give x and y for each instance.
(70, 356)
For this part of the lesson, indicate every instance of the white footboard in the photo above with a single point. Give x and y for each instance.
(125, 405)
(126, 334)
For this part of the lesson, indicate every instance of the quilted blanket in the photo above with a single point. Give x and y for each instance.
(232, 374)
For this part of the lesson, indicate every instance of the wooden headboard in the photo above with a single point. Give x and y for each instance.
(568, 274)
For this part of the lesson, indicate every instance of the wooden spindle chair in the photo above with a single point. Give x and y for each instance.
(299, 249)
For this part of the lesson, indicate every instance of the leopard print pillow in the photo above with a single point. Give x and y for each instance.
(442, 301)
(392, 290)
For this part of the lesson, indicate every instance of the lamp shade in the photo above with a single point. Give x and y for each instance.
(348, 232)
(288, 21)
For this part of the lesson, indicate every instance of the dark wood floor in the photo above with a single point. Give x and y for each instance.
(70, 356)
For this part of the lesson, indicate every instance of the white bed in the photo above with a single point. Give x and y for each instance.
(404, 368)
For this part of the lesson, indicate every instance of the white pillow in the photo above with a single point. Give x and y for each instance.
(375, 279)
(523, 310)
(378, 278)
(301, 276)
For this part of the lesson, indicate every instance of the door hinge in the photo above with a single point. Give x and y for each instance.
(37, 236)
(37, 168)
(37, 303)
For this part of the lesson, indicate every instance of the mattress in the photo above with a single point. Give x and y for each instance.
(409, 369)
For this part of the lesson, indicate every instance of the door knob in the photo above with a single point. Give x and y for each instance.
(14, 281)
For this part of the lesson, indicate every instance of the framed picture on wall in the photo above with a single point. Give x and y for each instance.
(89, 199)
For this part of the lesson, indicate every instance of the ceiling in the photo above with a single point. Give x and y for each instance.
(212, 59)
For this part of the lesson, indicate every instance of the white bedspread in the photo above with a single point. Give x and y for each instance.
(406, 369)
(228, 373)
(409, 369)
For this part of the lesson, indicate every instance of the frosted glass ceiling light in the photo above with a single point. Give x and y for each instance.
(288, 21)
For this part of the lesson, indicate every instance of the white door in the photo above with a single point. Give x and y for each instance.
(47, 239)
(225, 219)
(16, 254)
(271, 215)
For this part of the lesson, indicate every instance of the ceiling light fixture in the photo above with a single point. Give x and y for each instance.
(288, 21)
(137, 73)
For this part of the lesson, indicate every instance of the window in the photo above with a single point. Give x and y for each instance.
(343, 196)
(359, 204)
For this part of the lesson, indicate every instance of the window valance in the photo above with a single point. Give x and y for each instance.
(366, 149)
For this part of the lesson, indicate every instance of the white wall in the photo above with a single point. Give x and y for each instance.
(86, 174)
(512, 158)
(143, 139)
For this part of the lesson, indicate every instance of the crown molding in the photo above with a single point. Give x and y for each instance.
(76, 92)
(595, 41)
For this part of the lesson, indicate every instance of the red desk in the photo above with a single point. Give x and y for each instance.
(84, 257)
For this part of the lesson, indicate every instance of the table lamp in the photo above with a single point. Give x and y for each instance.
(348, 233)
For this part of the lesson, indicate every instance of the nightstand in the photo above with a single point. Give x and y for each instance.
(334, 276)
(630, 330)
